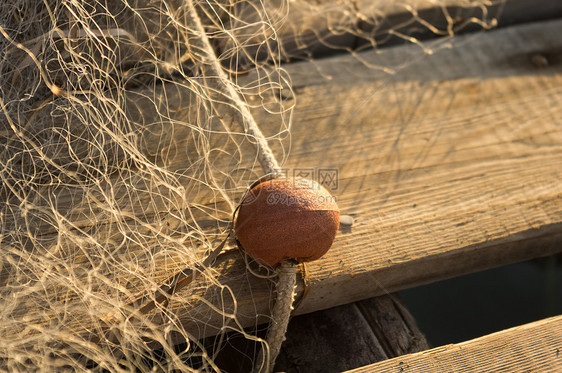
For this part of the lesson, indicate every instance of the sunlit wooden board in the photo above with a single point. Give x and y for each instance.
(534, 347)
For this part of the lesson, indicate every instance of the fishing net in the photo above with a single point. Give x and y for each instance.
(122, 162)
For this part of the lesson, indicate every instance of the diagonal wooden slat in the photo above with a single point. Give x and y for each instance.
(531, 347)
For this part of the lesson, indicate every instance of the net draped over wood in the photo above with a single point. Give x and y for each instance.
(121, 163)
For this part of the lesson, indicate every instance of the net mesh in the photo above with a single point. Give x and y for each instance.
(122, 165)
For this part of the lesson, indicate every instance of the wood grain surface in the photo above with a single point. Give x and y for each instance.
(451, 165)
(534, 347)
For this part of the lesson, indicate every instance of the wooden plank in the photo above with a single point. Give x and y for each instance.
(435, 161)
(346, 336)
(534, 347)
(450, 166)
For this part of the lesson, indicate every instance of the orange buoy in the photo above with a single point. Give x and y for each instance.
(288, 218)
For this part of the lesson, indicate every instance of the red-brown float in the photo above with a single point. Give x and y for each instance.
(288, 218)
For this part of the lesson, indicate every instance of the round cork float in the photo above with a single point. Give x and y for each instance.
(292, 218)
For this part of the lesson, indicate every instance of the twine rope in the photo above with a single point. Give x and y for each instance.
(285, 287)
(216, 76)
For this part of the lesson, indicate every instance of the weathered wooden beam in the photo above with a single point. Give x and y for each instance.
(528, 348)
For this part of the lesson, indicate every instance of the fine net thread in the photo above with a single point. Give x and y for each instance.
(214, 73)
(123, 160)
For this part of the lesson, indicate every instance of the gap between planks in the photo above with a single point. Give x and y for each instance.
(349, 336)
